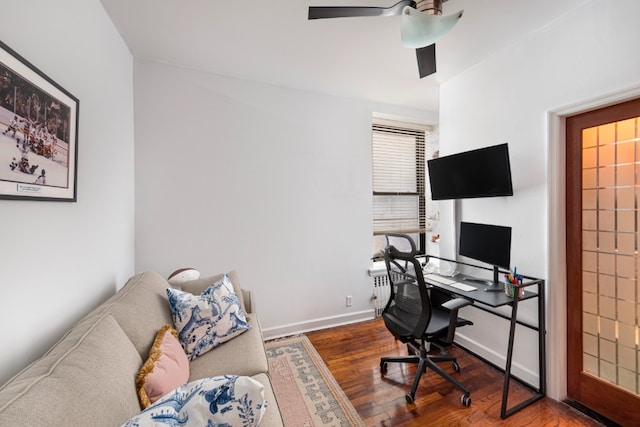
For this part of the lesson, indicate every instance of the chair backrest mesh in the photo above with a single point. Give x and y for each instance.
(409, 308)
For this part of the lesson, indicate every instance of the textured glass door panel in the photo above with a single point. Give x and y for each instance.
(610, 262)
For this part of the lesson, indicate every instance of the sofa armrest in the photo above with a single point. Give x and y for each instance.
(249, 305)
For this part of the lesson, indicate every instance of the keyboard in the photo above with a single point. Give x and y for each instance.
(463, 287)
(450, 282)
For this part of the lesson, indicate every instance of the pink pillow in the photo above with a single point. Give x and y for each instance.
(166, 369)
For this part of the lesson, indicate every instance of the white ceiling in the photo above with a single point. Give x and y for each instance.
(272, 41)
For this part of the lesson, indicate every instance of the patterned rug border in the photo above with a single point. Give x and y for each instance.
(343, 401)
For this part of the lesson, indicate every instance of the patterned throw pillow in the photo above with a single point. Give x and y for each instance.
(218, 401)
(166, 368)
(207, 320)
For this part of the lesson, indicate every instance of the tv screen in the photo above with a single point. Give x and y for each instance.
(486, 243)
(485, 172)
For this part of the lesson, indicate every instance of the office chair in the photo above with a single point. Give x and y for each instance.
(415, 318)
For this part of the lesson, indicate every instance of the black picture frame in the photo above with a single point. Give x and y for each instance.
(38, 133)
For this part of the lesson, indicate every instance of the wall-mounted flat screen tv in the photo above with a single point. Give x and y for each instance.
(485, 172)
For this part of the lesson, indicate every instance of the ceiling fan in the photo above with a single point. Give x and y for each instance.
(422, 25)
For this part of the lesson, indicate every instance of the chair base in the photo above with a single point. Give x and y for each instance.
(424, 361)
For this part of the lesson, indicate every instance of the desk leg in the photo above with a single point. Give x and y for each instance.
(507, 369)
(542, 339)
(504, 412)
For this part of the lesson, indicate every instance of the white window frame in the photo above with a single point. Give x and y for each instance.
(399, 180)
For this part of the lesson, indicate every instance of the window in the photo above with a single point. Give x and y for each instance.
(399, 181)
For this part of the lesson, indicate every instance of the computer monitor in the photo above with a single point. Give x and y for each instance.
(484, 172)
(487, 243)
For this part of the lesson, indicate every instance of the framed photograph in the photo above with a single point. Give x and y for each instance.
(38, 133)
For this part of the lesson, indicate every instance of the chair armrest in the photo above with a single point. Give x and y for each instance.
(456, 304)
(453, 306)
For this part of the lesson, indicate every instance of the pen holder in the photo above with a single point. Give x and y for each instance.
(512, 290)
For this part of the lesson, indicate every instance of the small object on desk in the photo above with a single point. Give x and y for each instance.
(511, 282)
(511, 289)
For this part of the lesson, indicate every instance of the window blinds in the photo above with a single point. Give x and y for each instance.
(398, 177)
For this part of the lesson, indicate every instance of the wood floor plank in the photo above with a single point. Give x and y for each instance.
(352, 353)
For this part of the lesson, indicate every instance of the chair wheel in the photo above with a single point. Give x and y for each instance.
(383, 367)
(409, 398)
(456, 367)
(465, 399)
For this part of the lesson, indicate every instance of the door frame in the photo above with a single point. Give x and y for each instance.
(556, 233)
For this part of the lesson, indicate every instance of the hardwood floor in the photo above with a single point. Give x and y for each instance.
(352, 354)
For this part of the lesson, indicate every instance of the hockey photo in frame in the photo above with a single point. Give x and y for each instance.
(38, 133)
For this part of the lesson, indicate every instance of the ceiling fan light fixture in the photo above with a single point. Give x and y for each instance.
(420, 29)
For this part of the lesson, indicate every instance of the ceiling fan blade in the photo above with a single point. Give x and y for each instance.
(322, 12)
(426, 60)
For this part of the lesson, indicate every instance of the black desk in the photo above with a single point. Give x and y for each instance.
(487, 300)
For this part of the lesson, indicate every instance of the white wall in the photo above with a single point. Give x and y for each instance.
(273, 182)
(587, 54)
(59, 260)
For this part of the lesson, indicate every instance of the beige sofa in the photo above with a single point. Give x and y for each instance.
(88, 377)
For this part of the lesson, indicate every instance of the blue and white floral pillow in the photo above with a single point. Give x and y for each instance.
(205, 321)
(225, 401)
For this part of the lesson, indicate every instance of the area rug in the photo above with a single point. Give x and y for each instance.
(307, 393)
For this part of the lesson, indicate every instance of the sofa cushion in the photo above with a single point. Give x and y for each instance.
(243, 355)
(87, 378)
(218, 401)
(141, 309)
(166, 368)
(197, 286)
(272, 416)
(207, 320)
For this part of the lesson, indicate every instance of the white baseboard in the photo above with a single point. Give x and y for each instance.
(317, 324)
(498, 359)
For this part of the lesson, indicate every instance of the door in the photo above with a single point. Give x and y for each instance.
(603, 239)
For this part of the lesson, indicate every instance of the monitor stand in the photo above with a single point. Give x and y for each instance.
(496, 286)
